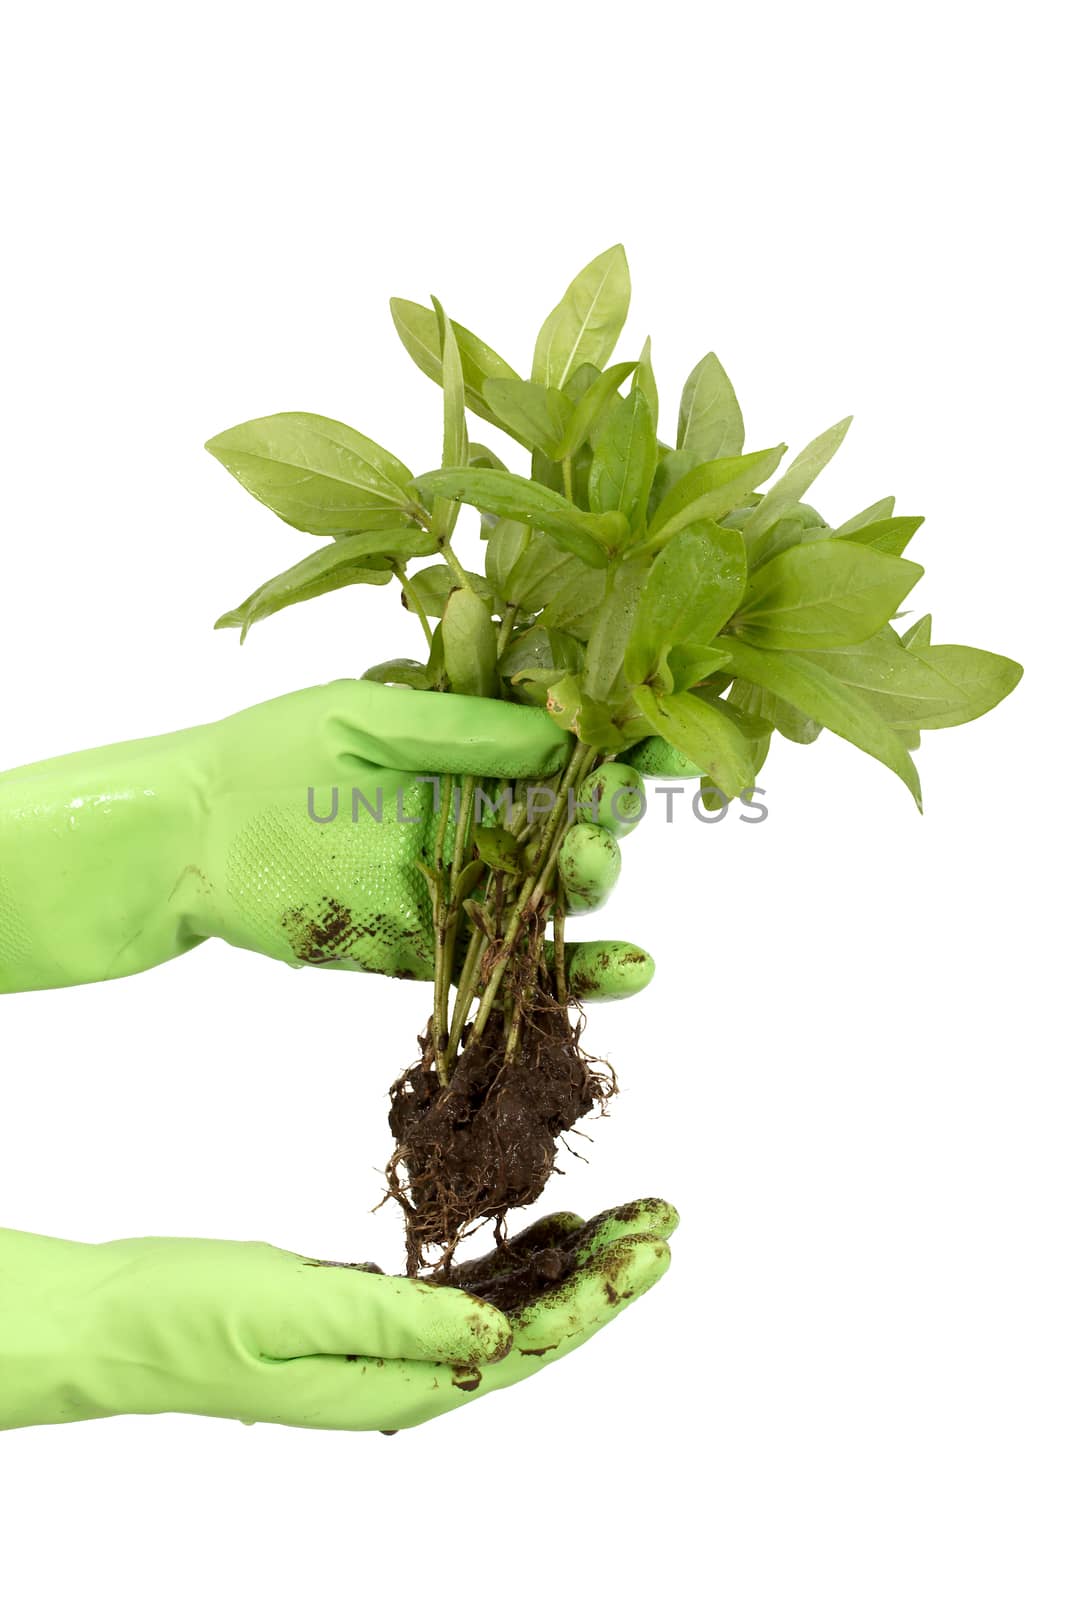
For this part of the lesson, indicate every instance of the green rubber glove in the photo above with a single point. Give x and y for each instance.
(254, 1333)
(116, 859)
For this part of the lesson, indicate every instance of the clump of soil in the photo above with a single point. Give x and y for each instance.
(513, 1286)
(487, 1141)
(542, 1257)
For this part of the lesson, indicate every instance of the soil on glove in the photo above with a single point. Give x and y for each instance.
(488, 1140)
(513, 1290)
(541, 1258)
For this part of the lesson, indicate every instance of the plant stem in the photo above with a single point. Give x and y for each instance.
(440, 973)
(445, 802)
(413, 604)
(454, 562)
(448, 928)
(440, 916)
(444, 544)
(559, 949)
(533, 886)
(448, 912)
(568, 478)
(557, 829)
(525, 898)
(507, 623)
(463, 823)
(511, 1044)
(465, 991)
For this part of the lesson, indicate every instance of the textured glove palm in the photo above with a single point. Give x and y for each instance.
(116, 859)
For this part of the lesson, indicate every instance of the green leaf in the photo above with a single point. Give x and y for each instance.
(792, 724)
(469, 641)
(709, 419)
(645, 380)
(633, 727)
(674, 465)
(602, 679)
(599, 725)
(783, 535)
(921, 686)
(538, 660)
(581, 463)
(757, 730)
(878, 512)
(403, 542)
(537, 416)
(713, 739)
(798, 524)
(335, 567)
(480, 455)
(468, 879)
(575, 606)
(454, 447)
(890, 535)
(420, 334)
(498, 848)
(545, 471)
(505, 495)
(589, 407)
(710, 490)
(838, 707)
(532, 685)
(692, 664)
(919, 633)
(317, 475)
(412, 674)
(823, 595)
(797, 479)
(587, 322)
(582, 378)
(540, 573)
(435, 666)
(624, 461)
(506, 543)
(539, 649)
(694, 587)
(434, 584)
(564, 701)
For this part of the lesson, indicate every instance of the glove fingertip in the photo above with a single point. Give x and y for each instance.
(591, 1297)
(637, 1218)
(655, 758)
(491, 1331)
(608, 969)
(589, 865)
(462, 1329)
(630, 1267)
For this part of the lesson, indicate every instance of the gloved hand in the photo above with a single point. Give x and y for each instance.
(116, 859)
(247, 1331)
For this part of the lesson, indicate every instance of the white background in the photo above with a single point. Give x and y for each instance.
(846, 1074)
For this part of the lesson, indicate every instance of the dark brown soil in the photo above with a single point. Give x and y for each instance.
(522, 1269)
(511, 1290)
(487, 1142)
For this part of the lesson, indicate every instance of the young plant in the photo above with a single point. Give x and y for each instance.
(637, 590)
